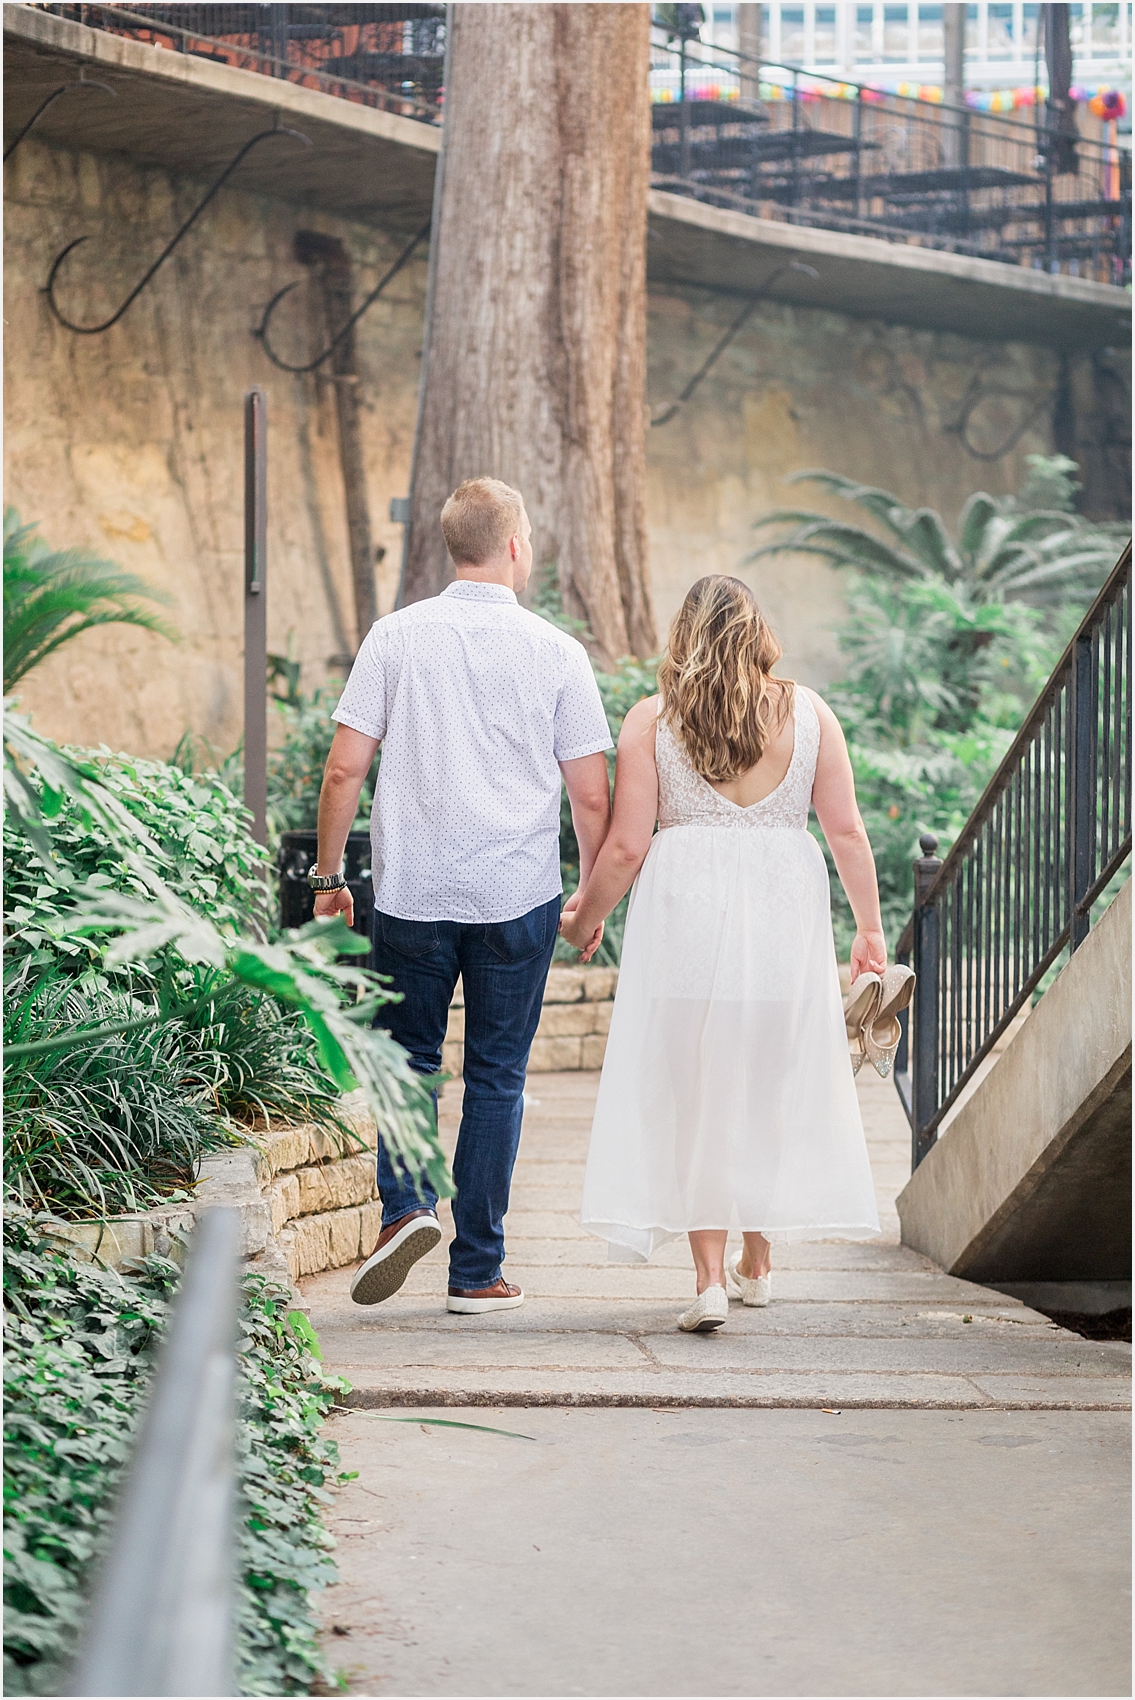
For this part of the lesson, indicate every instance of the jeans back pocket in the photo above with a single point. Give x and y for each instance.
(527, 936)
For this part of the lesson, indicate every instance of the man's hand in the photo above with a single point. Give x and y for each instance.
(586, 943)
(328, 904)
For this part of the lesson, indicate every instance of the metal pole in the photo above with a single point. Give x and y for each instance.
(683, 114)
(927, 949)
(954, 81)
(161, 1622)
(256, 611)
(749, 45)
(1081, 800)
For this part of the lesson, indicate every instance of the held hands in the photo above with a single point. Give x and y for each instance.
(868, 954)
(587, 943)
(328, 904)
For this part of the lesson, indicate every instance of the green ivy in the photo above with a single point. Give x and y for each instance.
(80, 1343)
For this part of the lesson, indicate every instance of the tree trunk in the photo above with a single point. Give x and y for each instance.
(330, 259)
(536, 329)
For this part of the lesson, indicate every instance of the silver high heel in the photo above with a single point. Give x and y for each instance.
(860, 1008)
(880, 1036)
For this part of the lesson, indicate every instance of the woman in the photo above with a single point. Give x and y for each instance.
(727, 1096)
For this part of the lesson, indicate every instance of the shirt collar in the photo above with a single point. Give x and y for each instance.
(469, 589)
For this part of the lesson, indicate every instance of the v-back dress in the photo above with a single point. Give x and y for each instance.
(727, 1098)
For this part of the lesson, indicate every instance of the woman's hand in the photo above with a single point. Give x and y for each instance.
(868, 954)
(585, 942)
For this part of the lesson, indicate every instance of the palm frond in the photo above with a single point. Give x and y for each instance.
(51, 597)
(844, 545)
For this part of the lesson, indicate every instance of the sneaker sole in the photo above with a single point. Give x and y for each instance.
(478, 1307)
(380, 1277)
(706, 1326)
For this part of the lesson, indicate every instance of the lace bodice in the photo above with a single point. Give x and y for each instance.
(686, 799)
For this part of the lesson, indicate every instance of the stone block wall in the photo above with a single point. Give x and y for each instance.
(573, 1026)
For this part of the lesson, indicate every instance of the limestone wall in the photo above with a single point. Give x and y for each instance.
(130, 442)
(574, 1022)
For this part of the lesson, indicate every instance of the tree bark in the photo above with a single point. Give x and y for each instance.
(332, 264)
(536, 330)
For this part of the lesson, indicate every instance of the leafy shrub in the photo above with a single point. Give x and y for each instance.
(198, 843)
(80, 1345)
(934, 689)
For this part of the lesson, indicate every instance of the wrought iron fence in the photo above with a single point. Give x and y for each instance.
(161, 1621)
(1051, 831)
(390, 56)
(785, 144)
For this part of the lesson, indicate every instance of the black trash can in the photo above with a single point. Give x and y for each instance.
(297, 853)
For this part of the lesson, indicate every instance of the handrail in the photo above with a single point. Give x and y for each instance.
(161, 1622)
(1049, 832)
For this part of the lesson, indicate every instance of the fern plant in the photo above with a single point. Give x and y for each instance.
(51, 595)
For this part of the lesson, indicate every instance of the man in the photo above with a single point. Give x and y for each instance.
(480, 706)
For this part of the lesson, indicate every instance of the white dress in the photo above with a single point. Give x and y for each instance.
(727, 1098)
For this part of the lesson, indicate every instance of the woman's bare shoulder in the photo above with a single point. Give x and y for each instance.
(643, 716)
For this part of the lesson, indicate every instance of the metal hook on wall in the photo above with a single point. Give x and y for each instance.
(261, 331)
(44, 104)
(977, 391)
(93, 330)
(723, 342)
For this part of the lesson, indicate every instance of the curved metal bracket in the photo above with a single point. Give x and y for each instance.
(261, 331)
(93, 330)
(978, 391)
(44, 104)
(724, 341)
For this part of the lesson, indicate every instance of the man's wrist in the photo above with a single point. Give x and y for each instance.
(325, 882)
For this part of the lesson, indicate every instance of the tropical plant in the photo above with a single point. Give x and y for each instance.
(1002, 549)
(50, 596)
(151, 926)
(933, 689)
(80, 1342)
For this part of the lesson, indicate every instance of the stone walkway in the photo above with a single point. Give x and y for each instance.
(867, 1326)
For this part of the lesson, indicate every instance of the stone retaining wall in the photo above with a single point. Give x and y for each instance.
(307, 1201)
(573, 1027)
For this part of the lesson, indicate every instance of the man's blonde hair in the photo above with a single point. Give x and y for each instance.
(479, 518)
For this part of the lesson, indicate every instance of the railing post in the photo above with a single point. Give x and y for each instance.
(927, 952)
(1081, 790)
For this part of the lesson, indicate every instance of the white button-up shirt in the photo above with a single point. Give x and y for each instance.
(475, 701)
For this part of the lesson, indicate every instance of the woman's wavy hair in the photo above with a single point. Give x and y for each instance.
(717, 693)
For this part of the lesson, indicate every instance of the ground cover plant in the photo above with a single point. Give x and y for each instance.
(81, 1342)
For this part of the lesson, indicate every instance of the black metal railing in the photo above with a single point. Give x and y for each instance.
(161, 1621)
(389, 56)
(810, 149)
(1016, 890)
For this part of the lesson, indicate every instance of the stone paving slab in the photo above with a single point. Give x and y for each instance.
(856, 1325)
(894, 1552)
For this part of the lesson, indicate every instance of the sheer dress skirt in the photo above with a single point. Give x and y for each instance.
(727, 1098)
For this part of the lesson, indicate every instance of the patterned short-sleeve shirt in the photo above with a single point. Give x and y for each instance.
(475, 701)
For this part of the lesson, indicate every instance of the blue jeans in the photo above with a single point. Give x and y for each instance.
(503, 968)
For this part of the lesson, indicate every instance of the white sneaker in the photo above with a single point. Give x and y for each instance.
(752, 1290)
(709, 1310)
